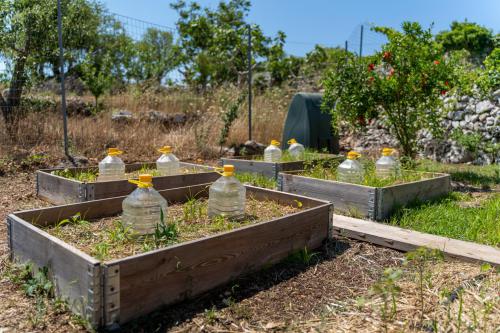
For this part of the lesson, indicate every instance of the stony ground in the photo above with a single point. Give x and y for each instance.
(329, 290)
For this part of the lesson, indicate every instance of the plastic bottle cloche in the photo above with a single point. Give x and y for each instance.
(387, 166)
(227, 196)
(144, 208)
(111, 167)
(272, 153)
(167, 164)
(351, 171)
(296, 150)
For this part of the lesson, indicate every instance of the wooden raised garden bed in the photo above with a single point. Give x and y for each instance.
(270, 169)
(59, 190)
(109, 293)
(375, 203)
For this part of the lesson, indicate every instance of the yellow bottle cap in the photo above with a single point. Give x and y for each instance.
(228, 170)
(292, 141)
(165, 150)
(114, 151)
(387, 151)
(145, 181)
(275, 142)
(352, 155)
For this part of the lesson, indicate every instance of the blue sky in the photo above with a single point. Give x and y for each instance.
(331, 22)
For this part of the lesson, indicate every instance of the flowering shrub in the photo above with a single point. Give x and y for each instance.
(403, 83)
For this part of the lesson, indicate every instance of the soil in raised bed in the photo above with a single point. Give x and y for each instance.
(107, 238)
(90, 176)
(329, 172)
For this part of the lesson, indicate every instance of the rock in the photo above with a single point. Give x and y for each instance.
(464, 99)
(156, 116)
(460, 106)
(76, 106)
(455, 124)
(490, 121)
(483, 116)
(484, 106)
(458, 115)
(474, 117)
(463, 123)
(496, 94)
(253, 147)
(165, 119)
(122, 116)
(470, 108)
(179, 119)
(477, 126)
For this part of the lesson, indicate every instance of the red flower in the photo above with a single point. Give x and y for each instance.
(387, 55)
(446, 83)
(443, 92)
(361, 120)
(371, 67)
(436, 62)
(391, 72)
(371, 79)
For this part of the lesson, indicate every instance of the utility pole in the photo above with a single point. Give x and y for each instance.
(63, 90)
(346, 51)
(361, 43)
(249, 54)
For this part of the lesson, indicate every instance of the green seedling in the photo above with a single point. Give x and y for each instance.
(388, 290)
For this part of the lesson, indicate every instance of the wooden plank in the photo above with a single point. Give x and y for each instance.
(348, 198)
(392, 197)
(76, 275)
(408, 240)
(56, 189)
(183, 271)
(243, 165)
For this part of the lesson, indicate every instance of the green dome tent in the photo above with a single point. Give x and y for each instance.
(308, 125)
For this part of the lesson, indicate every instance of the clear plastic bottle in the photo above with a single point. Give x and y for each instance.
(387, 166)
(272, 153)
(296, 150)
(227, 195)
(168, 163)
(111, 167)
(350, 171)
(144, 207)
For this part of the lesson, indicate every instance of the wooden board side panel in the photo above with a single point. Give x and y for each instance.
(59, 190)
(189, 269)
(347, 198)
(76, 276)
(241, 165)
(392, 197)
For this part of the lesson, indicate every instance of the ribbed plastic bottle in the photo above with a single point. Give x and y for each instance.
(168, 163)
(296, 150)
(144, 207)
(111, 167)
(387, 166)
(350, 171)
(227, 196)
(272, 153)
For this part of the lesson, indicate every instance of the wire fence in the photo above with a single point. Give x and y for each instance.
(33, 84)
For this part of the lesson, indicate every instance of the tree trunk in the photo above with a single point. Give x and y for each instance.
(12, 100)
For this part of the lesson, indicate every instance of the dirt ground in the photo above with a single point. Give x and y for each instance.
(330, 291)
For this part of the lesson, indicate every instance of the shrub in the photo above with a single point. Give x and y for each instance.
(403, 83)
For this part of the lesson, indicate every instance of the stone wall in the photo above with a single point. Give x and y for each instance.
(466, 114)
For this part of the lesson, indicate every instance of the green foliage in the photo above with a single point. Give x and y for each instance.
(156, 56)
(456, 216)
(82, 176)
(229, 117)
(469, 36)
(492, 70)
(256, 180)
(401, 84)
(302, 257)
(388, 290)
(75, 219)
(97, 74)
(38, 284)
(165, 233)
(213, 42)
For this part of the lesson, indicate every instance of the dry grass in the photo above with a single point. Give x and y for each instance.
(40, 134)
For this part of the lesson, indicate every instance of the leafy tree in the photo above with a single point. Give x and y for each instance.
(156, 56)
(403, 84)
(469, 36)
(492, 70)
(279, 65)
(97, 74)
(28, 40)
(213, 43)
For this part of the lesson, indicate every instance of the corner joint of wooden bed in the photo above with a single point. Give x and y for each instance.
(111, 290)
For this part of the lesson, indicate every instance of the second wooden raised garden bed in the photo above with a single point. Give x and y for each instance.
(59, 190)
(375, 203)
(272, 169)
(112, 292)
